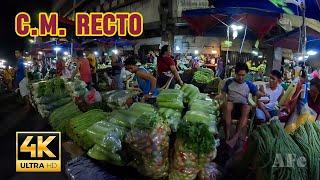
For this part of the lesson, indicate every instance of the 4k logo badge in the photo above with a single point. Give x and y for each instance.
(38, 151)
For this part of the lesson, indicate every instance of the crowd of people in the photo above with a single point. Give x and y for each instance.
(234, 94)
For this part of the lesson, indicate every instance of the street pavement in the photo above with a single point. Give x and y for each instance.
(13, 118)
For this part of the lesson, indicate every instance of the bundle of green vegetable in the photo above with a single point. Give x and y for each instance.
(204, 76)
(170, 98)
(193, 149)
(191, 92)
(107, 138)
(60, 117)
(147, 118)
(171, 116)
(77, 126)
(56, 104)
(308, 139)
(201, 117)
(273, 142)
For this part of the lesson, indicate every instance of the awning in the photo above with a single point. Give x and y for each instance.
(275, 6)
(291, 40)
(258, 21)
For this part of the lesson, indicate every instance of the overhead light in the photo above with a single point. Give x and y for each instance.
(31, 41)
(196, 52)
(312, 53)
(27, 52)
(177, 48)
(57, 48)
(214, 52)
(115, 51)
(40, 52)
(235, 27)
(235, 34)
(254, 52)
(84, 54)
(106, 54)
(66, 53)
(96, 53)
(260, 56)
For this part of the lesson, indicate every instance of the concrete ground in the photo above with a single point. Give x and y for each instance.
(12, 119)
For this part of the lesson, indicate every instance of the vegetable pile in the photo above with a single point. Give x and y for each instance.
(170, 102)
(49, 95)
(204, 76)
(307, 137)
(274, 143)
(76, 88)
(77, 126)
(148, 142)
(60, 117)
(191, 92)
(193, 149)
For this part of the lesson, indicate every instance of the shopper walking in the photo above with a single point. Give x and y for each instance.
(83, 67)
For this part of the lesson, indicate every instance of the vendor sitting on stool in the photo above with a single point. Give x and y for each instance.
(237, 91)
(273, 92)
(147, 83)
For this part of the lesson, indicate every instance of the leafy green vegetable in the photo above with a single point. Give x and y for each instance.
(196, 136)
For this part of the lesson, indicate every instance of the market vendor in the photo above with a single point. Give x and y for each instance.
(166, 68)
(236, 92)
(147, 83)
(272, 94)
(93, 67)
(314, 96)
(60, 65)
(83, 67)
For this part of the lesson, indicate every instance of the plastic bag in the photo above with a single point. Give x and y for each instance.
(92, 97)
(171, 116)
(107, 138)
(186, 164)
(210, 172)
(296, 120)
(150, 150)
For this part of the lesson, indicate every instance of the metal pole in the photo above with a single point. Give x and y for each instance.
(304, 32)
(227, 54)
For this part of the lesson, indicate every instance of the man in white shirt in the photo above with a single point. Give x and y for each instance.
(273, 92)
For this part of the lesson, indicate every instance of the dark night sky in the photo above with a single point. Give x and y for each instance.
(9, 41)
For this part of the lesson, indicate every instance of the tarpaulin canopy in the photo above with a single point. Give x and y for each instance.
(275, 6)
(109, 42)
(259, 22)
(291, 40)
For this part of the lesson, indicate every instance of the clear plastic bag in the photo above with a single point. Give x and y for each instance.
(150, 150)
(108, 142)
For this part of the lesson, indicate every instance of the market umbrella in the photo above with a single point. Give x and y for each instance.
(203, 20)
(275, 6)
(291, 40)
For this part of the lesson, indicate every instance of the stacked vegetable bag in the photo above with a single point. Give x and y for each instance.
(118, 99)
(60, 117)
(307, 138)
(170, 102)
(193, 149)
(49, 95)
(77, 126)
(191, 92)
(107, 138)
(272, 143)
(148, 143)
(76, 88)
